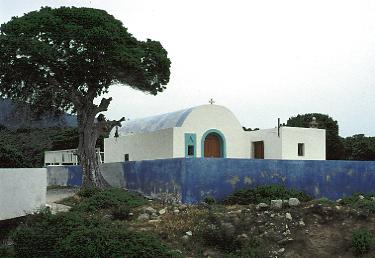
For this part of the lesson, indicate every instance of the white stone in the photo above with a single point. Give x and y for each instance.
(189, 233)
(261, 205)
(162, 211)
(288, 216)
(361, 197)
(293, 202)
(276, 204)
(149, 210)
(143, 216)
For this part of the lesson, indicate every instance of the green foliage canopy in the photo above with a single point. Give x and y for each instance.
(54, 57)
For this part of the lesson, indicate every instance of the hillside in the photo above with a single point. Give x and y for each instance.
(16, 115)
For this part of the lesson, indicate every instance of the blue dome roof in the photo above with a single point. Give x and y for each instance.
(154, 123)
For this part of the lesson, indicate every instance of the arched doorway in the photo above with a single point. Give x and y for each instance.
(213, 144)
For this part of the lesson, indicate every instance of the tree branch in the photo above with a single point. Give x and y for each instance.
(103, 106)
(105, 126)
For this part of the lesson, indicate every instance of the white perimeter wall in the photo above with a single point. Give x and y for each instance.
(314, 140)
(22, 191)
(141, 146)
(272, 143)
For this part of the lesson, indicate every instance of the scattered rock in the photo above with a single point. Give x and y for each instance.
(143, 216)
(372, 198)
(282, 250)
(261, 206)
(338, 200)
(276, 204)
(154, 216)
(154, 221)
(361, 197)
(293, 202)
(183, 207)
(301, 223)
(176, 211)
(185, 238)
(149, 210)
(108, 217)
(162, 211)
(288, 216)
(209, 253)
(189, 233)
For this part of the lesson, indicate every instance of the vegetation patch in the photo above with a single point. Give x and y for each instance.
(362, 240)
(360, 201)
(264, 194)
(95, 199)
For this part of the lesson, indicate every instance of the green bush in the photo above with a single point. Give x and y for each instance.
(72, 234)
(122, 212)
(94, 199)
(209, 200)
(362, 240)
(355, 202)
(264, 194)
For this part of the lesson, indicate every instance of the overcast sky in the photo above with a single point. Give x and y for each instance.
(262, 59)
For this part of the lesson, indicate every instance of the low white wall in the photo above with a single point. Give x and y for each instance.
(22, 191)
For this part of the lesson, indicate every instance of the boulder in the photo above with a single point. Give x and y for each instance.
(276, 204)
(261, 206)
(144, 216)
(293, 202)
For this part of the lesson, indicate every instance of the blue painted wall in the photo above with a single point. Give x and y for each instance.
(190, 180)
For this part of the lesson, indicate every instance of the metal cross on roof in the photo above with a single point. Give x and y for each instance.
(211, 101)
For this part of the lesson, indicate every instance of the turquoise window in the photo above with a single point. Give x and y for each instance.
(190, 145)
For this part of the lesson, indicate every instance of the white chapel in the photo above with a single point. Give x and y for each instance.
(209, 131)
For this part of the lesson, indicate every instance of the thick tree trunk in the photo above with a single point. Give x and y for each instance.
(87, 156)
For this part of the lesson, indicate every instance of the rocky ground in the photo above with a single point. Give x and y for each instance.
(279, 228)
(284, 228)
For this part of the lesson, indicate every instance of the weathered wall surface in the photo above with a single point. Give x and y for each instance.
(22, 191)
(141, 146)
(64, 175)
(190, 180)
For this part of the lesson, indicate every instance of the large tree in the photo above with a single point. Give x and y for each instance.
(62, 59)
(334, 146)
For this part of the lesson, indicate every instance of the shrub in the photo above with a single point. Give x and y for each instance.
(362, 240)
(355, 202)
(95, 199)
(122, 212)
(73, 235)
(209, 200)
(264, 194)
(110, 242)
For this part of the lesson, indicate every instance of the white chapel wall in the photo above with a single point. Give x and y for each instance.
(271, 140)
(142, 146)
(209, 117)
(314, 141)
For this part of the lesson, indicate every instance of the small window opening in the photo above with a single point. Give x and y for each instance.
(126, 157)
(301, 149)
(190, 150)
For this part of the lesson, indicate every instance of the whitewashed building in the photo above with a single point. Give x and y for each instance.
(209, 131)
